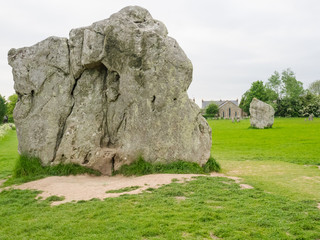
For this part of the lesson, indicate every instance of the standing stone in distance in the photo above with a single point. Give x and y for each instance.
(261, 114)
(113, 91)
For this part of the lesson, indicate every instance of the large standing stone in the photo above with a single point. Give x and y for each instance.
(111, 92)
(261, 114)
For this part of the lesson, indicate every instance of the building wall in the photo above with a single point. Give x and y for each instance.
(229, 111)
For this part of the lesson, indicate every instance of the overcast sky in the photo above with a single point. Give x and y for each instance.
(231, 43)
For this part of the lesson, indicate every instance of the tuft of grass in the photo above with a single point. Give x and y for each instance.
(173, 180)
(55, 198)
(141, 167)
(121, 190)
(211, 166)
(178, 167)
(29, 168)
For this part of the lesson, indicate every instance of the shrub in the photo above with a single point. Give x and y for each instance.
(5, 128)
(208, 116)
(212, 109)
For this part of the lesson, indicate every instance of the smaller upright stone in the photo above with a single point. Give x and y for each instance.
(261, 114)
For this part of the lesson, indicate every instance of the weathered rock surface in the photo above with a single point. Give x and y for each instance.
(111, 92)
(261, 114)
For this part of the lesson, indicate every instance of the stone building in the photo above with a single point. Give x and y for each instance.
(228, 109)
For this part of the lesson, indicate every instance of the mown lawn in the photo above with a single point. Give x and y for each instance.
(282, 160)
(282, 205)
(8, 153)
(202, 209)
(290, 139)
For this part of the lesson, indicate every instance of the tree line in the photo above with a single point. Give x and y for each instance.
(285, 94)
(6, 107)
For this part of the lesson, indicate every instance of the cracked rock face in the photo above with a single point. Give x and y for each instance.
(261, 114)
(111, 92)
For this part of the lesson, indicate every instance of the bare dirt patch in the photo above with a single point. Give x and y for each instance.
(86, 187)
(245, 186)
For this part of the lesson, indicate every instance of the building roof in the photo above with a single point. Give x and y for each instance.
(220, 103)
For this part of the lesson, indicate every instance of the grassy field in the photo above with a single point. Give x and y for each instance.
(200, 209)
(282, 205)
(281, 160)
(8, 153)
(290, 139)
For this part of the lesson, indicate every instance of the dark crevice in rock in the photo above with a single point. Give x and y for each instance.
(104, 136)
(112, 163)
(139, 21)
(87, 158)
(122, 120)
(99, 33)
(62, 126)
(69, 58)
(75, 84)
(153, 102)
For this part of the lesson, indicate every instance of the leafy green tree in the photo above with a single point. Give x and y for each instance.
(3, 108)
(292, 88)
(310, 105)
(212, 109)
(315, 87)
(274, 84)
(11, 103)
(257, 90)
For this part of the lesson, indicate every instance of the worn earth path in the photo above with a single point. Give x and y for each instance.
(86, 187)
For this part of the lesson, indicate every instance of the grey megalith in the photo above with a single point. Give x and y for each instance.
(261, 114)
(111, 92)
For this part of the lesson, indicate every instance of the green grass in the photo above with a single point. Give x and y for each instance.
(121, 190)
(295, 181)
(141, 167)
(212, 207)
(8, 153)
(29, 168)
(55, 198)
(290, 139)
(271, 159)
(276, 162)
